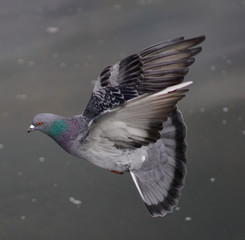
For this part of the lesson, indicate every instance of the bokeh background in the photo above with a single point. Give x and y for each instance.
(51, 51)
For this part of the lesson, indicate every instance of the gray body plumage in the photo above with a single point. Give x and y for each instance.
(132, 124)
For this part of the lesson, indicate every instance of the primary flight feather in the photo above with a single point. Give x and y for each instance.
(132, 124)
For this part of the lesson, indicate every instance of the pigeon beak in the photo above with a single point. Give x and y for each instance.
(31, 128)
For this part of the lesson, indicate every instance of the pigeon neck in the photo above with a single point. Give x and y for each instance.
(65, 130)
(58, 128)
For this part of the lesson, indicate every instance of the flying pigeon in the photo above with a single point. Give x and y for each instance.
(132, 124)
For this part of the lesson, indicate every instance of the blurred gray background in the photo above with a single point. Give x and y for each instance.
(51, 51)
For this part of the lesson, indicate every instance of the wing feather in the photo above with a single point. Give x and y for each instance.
(138, 121)
(148, 71)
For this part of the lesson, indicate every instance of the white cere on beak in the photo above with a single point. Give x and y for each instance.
(31, 128)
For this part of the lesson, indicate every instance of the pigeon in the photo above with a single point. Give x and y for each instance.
(132, 123)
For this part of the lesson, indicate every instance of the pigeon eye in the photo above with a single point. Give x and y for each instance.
(39, 123)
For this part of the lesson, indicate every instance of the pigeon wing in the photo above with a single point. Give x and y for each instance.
(137, 122)
(154, 68)
(150, 70)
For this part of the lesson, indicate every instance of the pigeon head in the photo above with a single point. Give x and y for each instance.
(64, 130)
(53, 125)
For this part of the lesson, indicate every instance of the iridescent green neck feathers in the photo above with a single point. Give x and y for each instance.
(57, 128)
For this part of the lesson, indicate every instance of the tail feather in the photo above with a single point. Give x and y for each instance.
(161, 178)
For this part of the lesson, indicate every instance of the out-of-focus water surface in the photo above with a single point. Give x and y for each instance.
(51, 51)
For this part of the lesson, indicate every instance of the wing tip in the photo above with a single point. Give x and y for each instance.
(196, 40)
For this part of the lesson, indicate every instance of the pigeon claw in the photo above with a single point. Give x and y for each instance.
(116, 172)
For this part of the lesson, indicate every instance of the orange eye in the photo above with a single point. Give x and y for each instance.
(39, 123)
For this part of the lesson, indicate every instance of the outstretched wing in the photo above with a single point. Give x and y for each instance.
(137, 122)
(151, 70)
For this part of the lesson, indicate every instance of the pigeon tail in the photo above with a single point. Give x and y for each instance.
(161, 178)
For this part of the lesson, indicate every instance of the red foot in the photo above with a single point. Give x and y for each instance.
(116, 172)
